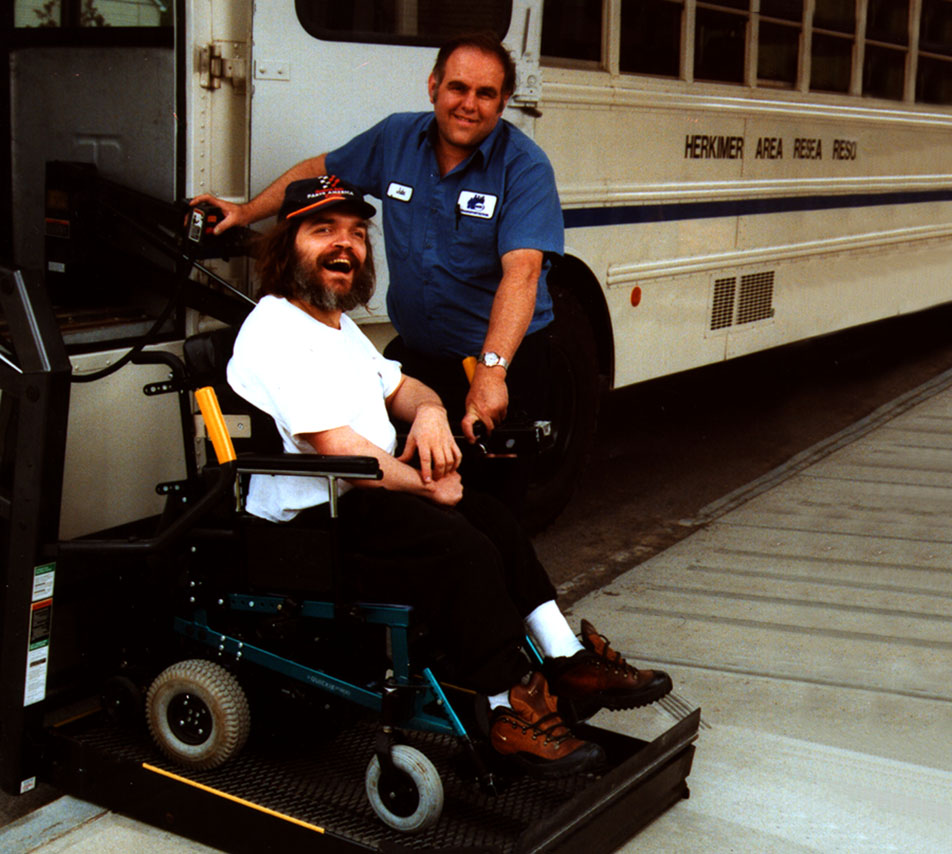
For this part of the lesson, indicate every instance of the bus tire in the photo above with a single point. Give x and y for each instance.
(198, 714)
(576, 394)
(412, 799)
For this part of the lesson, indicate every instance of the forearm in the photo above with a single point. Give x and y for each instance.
(397, 476)
(269, 200)
(511, 314)
(514, 303)
(405, 403)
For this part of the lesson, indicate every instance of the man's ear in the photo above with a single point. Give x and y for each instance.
(431, 87)
(503, 102)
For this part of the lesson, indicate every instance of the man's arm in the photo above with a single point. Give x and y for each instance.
(430, 435)
(512, 310)
(397, 475)
(268, 201)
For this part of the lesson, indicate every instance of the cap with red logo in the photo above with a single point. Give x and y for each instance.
(313, 195)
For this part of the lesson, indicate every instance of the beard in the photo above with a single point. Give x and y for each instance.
(309, 284)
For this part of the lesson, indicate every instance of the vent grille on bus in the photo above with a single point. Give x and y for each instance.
(752, 301)
(722, 311)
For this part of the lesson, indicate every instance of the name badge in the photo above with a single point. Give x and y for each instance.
(400, 192)
(482, 205)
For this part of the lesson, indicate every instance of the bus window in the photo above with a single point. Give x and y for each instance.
(836, 15)
(884, 60)
(784, 10)
(92, 13)
(720, 38)
(572, 30)
(935, 27)
(650, 37)
(834, 26)
(888, 21)
(934, 75)
(418, 22)
(779, 42)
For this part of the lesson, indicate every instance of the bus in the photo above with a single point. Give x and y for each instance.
(735, 175)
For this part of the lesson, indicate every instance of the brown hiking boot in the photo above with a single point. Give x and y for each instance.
(599, 678)
(531, 732)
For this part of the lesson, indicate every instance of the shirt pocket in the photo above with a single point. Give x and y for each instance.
(473, 248)
(398, 221)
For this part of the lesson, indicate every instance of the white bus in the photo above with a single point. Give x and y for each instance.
(734, 174)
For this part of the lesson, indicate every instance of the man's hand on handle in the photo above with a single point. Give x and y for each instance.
(487, 400)
(233, 214)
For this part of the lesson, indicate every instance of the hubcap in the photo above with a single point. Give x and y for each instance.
(189, 719)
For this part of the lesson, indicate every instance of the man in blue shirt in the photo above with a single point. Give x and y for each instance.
(471, 214)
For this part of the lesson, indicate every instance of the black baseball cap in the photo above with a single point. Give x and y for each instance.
(310, 195)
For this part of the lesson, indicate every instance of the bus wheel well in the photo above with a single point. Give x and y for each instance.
(574, 275)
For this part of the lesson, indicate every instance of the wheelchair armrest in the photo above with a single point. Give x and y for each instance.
(311, 465)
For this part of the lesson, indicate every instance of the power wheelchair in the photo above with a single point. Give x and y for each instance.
(269, 591)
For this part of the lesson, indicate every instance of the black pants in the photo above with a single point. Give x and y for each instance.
(528, 381)
(469, 572)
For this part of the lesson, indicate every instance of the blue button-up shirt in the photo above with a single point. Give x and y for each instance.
(446, 236)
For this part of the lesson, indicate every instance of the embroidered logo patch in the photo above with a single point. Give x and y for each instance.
(482, 205)
(400, 192)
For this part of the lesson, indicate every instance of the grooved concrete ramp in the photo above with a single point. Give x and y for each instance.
(813, 625)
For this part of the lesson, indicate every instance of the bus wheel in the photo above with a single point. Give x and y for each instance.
(576, 394)
(198, 714)
(409, 798)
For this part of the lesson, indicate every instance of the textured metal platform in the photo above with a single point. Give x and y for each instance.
(310, 792)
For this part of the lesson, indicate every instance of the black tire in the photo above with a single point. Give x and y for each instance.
(198, 714)
(413, 800)
(576, 395)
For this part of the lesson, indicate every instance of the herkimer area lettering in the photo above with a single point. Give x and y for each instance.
(701, 146)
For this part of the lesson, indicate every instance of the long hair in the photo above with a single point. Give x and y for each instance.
(486, 41)
(276, 262)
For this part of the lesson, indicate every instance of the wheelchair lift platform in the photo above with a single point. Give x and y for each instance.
(309, 791)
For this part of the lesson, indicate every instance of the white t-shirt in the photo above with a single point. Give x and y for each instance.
(309, 377)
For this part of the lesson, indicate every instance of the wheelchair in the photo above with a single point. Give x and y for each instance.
(264, 596)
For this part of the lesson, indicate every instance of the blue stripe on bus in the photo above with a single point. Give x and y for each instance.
(672, 212)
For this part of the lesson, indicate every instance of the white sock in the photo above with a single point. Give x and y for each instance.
(498, 700)
(551, 631)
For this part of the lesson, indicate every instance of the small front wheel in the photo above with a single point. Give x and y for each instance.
(410, 798)
(198, 714)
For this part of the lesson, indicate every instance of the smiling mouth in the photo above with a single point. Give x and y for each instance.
(339, 265)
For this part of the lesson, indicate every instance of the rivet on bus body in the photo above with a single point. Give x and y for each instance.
(636, 296)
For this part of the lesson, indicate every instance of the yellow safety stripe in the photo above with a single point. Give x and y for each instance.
(233, 798)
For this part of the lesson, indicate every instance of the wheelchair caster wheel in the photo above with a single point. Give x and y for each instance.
(409, 799)
(198, 714)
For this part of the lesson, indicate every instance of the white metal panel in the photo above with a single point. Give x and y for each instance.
(119, 446)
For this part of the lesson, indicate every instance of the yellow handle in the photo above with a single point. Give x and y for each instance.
(469, 365)
(215, 424)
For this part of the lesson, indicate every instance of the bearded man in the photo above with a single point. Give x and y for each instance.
(413, 537)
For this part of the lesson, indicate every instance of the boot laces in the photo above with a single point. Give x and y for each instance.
(539, 728)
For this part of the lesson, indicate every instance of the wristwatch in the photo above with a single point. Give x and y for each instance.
(491, 360)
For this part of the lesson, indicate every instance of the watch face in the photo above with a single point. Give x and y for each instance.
(490, 360)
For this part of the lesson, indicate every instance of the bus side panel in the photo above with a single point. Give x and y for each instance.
(722, 226)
